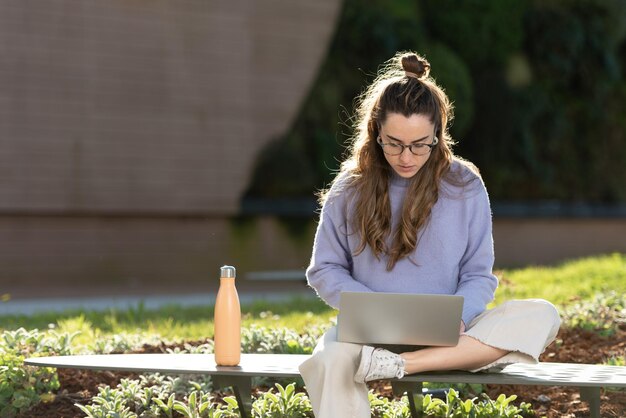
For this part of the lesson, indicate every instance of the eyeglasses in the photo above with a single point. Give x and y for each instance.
(392, 148)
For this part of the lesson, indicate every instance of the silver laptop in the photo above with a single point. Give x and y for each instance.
(399, 319)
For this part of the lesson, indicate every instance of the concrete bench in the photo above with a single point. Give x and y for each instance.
(587, 378)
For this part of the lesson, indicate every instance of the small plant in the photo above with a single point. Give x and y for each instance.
(166, 407)
(256, 339)
(119, 343)
(616, 361)
(151, 396)
(452, 407)
(198, 405)
(455, 407)
(287, 403)
(206, 348)
(604, 314)
(27, 343)
(23, 386)
(109, 403)
(385, 408)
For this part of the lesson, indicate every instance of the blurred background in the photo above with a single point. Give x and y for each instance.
(146, 143)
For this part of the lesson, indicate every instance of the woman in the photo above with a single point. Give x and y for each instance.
(405, 215)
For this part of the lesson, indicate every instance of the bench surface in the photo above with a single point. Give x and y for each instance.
(286, 365)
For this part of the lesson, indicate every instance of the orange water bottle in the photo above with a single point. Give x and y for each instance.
(227, 320)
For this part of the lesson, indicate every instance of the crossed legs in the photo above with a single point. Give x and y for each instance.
(468, 354)
(329, 372)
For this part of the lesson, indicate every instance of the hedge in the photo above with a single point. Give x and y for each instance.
(539, 89)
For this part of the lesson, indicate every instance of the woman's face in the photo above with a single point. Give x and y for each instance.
(401, 130)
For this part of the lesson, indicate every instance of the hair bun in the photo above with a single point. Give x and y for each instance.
(415, 66)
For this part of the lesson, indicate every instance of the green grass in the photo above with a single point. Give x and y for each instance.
(575, 280)
(173, 323)
(562, 284)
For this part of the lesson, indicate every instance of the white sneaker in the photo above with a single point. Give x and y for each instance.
(378, 363)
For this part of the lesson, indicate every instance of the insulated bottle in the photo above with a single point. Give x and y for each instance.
(227, 320)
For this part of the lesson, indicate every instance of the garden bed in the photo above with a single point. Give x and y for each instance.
(593, 331)
(572, 345)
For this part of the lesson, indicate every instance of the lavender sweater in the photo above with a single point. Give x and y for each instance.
(454, 254)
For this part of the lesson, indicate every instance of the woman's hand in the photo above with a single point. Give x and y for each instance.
(462, 327)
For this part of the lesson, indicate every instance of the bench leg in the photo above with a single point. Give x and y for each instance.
(411, 388)
(592, 396)
(242, 387)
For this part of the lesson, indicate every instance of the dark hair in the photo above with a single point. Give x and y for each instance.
(403, 86)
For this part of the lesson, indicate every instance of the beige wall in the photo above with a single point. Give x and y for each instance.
(92, 256)
(148, 106)
(520, 241)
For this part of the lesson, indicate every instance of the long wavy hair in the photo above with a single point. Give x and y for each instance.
(403, 86)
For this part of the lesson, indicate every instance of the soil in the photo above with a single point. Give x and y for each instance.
(572, 346)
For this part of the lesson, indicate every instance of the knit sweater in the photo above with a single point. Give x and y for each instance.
(454, 254)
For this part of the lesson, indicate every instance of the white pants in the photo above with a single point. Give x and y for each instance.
(523, 327)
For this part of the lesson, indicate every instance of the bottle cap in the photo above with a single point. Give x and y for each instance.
(227, 271)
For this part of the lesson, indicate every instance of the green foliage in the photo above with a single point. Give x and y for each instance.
(257, 339)
(166, 407)
(28, 343)
(285, 403)
(109, 403)
(554, 137)
(452, 73)
(539, 89)
(604, 314)
(134, 398)
(453, 407)
(199, 405)
(205, 348)
(23, 386)
(616, 361)
(155, 396)
(484, 32)
(20, 386)
(383, 407)
(119, 343)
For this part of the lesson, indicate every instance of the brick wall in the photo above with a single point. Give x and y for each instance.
(78, 256)
(148, 106)
(128, 132)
